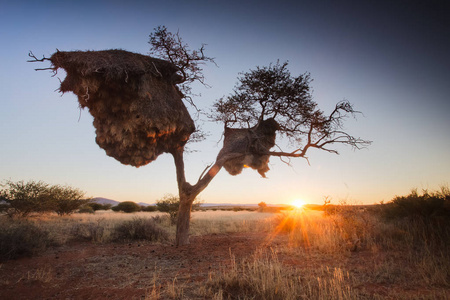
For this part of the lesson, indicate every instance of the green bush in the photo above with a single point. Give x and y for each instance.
(22, 239)
(127, 206)
(140, 229)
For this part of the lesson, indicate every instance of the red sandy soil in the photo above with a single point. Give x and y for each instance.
(128, 271)
(122, 271)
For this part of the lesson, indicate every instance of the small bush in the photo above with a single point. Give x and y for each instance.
(22, 239)
(92, 231)
(170, 204)
(86, 210)
(127, 206)
(140, 229)
(97, 206)
(149, 208)
(262, 206)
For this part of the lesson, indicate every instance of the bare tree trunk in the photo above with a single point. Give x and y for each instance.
(183, 221)
(187, 194)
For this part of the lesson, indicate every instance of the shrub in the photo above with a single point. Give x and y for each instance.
(92, 231)
(170, 204)
(262, 206)
(97, 206)
(140, 229)
(149, 208)
(87, 209)
(426, 207)
(24, 198)
(22, 239)
(66, 200)
(127, 206)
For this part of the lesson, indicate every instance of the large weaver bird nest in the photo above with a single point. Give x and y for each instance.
(137, 108)
(251, 147)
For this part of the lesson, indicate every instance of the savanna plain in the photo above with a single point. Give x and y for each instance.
(395, 250)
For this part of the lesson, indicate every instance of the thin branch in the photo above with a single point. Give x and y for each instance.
(35, 59)
(204, 171)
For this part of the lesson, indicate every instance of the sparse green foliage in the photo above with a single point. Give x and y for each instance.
(66, 200)
(273, 93)
(24, 198)
(127, 206)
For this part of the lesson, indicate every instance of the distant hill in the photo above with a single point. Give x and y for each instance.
(100, 200)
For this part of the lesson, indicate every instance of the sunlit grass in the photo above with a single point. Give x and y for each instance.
(338, 252)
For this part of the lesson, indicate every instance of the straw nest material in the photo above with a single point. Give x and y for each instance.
(137, 109)
(251, 144)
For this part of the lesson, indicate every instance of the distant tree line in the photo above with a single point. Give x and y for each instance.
(21, 199)
(24, 198)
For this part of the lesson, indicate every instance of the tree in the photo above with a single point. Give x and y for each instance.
(268, 104)
(23, 198)
(262, 206)
(66, 199)
(266, 100)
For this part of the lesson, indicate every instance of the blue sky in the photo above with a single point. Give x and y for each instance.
(388, 58)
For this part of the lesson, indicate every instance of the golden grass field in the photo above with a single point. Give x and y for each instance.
(295, 254)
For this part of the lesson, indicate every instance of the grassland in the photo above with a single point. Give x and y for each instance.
(348, 252)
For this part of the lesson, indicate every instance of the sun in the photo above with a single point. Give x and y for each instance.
(298, 203)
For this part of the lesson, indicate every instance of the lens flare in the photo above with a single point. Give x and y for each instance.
(298, 203)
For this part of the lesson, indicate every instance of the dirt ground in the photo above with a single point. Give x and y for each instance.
(123, 271)
(135, 270)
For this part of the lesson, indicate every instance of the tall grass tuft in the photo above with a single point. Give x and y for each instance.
(264, 277)
(140, 229)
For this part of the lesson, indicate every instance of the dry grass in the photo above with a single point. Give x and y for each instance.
(265, 277)
(349, 254)
(352, 254)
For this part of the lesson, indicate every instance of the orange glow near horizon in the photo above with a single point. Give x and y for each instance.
(293, 222)
(298, 203)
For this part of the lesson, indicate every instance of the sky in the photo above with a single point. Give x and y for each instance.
(390, 59)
